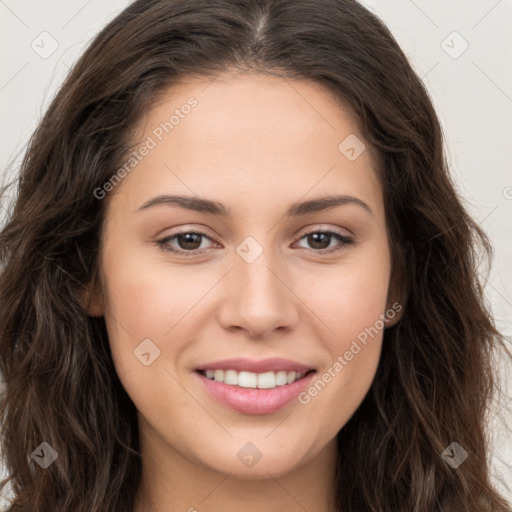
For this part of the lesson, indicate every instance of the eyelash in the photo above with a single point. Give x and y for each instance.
(346, 241)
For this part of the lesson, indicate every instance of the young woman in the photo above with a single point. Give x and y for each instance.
(237, 276)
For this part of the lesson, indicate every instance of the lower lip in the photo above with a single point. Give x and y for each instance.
(255, 401)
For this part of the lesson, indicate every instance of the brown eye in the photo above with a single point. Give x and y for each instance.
(187, 243)
(320, 241)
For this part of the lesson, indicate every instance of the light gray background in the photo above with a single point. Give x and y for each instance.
(471, 90)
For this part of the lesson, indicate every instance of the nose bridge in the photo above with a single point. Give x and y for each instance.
(258, 299)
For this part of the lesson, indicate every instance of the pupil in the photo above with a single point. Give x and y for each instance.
(189, 239)
(316, 236)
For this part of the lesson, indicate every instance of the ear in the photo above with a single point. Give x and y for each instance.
(92, 300)
(397, 293)
(394, 312)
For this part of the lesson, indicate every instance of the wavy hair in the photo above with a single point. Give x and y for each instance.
(435, 379)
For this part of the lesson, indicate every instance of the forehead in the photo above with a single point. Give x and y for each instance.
(251, 134)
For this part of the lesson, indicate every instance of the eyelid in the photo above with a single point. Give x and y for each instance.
(344, 239)
(322, 227)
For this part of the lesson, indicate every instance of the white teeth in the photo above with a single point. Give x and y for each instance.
(231, 377)
(291, 377)
(267, 380)
(245, 379)
(281, 378)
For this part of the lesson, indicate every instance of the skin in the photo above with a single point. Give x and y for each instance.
(256, 143)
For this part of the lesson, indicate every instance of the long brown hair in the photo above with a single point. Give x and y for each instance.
(435, 378)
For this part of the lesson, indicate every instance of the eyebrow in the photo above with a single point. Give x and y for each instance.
(203, 205)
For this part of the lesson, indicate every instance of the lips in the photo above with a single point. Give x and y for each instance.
(254, 401)
(248, 397)
(274, 364)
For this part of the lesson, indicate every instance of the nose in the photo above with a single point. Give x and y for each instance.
(258, 299)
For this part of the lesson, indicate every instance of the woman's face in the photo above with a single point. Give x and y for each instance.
(272, 279)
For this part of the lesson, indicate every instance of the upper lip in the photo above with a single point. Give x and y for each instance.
(273, 364)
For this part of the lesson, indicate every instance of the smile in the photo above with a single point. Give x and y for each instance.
(245, 379)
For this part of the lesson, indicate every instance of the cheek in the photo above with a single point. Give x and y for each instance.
(146, 322)
(141, 304)
(348, 298)
(149, 296)
(351, 304)
(354, 351)
(359, 308)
